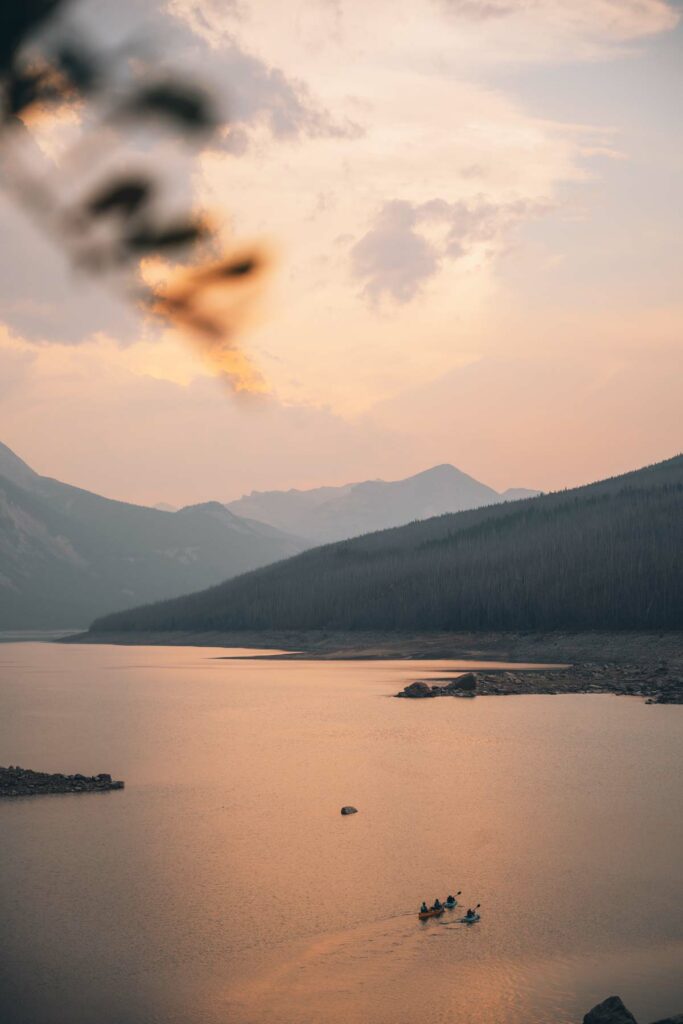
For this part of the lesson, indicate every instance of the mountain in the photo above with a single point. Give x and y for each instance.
(336, 513)
(608, 555)
(67, 554)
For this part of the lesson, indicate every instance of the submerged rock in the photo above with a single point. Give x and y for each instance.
(349, 810)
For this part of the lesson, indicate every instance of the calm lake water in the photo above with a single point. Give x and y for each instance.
(222, 885)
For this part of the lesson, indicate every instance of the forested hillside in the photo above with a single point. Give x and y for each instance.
(608, 555)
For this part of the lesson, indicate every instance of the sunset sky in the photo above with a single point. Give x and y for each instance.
(474, 214)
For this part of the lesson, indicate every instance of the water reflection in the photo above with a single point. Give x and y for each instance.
(223, 884)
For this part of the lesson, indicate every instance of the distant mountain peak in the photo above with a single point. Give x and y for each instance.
(14, 468)
(324, 514)
(206, 506)
(444, 471)
(438, 470)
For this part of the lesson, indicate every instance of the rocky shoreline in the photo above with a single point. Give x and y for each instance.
(16, 781)
(629, 663)
(655, 683)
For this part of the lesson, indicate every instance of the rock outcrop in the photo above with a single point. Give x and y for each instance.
(655, 683)
(417, 689)
(16, 781)
(467, 681)
(461, 686)
(613, 1011)
(610, 1011)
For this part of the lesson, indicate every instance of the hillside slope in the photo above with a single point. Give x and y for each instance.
(607, 555)
(66, 554)
(325, 514)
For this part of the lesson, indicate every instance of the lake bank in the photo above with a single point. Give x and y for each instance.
(647, 665)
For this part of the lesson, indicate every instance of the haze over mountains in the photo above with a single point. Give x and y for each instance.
(607, 555)
(325, 514)
(68, 555)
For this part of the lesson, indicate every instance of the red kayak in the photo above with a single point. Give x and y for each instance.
(434, 912)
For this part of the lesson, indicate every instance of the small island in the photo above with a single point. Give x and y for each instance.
(655, 683)
(16, 781)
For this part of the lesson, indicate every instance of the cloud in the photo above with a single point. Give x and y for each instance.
(393, 257)
(41, 296)
(439, 124)
(408, 243)
(259, 93)
(616, 19)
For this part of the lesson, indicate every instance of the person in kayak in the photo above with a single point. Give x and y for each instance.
(470, 913)
(424, 909)
(437, 905)
(450, 899)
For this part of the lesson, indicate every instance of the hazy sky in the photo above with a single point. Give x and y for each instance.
(475, 211)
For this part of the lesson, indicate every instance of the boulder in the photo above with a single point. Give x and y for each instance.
(349, 810)
(417, 689)
(610, 1011)
(467, 681)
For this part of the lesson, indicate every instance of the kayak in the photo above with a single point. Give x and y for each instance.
(449, 906)
(424, 914)
(469, 920)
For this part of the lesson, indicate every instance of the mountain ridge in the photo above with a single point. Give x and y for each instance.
(325, 514)
(65, 551)
(606, 555)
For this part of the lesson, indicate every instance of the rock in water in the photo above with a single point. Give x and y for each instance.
(349, 810)
(610, 1011)
(467, 681)
(464, 686)
(417, 689)
(16, 781)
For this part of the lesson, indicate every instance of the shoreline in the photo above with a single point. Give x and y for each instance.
(560, 646)
(639, 664)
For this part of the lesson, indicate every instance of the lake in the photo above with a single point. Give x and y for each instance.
(223, 885)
